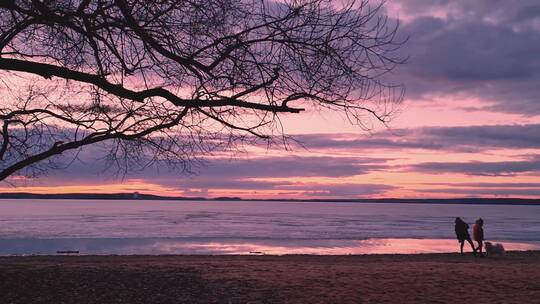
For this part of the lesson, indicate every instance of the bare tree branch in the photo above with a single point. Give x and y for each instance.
(168, 81)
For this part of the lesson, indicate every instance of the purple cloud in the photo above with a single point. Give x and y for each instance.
(489, 49)
(462, 139)
(496, 191)
(480, 168)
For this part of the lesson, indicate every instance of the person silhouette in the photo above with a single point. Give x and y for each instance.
(462, 234)
(478, 234)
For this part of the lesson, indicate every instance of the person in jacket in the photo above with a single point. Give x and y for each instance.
(478, 234)
(462, 234)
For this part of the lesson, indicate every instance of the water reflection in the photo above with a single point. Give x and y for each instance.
(158, 246)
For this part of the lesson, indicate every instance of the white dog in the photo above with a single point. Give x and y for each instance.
(494, 249)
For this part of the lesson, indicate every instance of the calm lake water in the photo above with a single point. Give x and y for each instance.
(194, 227)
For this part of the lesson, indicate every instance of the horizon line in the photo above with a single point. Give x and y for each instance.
(143, 196)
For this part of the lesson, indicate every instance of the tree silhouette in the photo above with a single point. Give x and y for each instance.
(153, 81)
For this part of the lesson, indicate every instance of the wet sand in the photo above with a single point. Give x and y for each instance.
(422, 278)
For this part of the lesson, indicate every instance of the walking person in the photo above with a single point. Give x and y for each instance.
(478, 234)
(462, 234)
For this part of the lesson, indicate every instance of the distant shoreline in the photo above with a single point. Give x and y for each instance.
(133, 196)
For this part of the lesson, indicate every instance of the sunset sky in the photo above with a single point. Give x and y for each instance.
(469, 125)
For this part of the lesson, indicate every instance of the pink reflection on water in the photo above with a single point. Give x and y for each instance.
(369, 246)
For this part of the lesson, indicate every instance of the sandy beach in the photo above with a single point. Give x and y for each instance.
(423, 278)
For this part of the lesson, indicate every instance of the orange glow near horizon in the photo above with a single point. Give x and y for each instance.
(127, 187)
